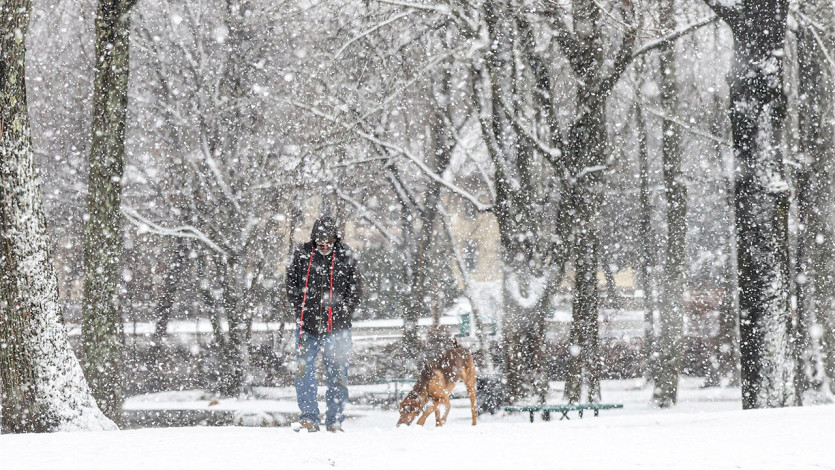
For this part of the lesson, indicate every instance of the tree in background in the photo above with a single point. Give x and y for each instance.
(671, 321)
(101, 327)
(815, 257)
(43, 386)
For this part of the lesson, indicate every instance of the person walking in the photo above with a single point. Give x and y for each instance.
(324, 288)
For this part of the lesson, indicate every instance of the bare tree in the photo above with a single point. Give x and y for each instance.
(229, 177)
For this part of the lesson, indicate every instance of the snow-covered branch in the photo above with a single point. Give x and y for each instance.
(814, 27)
(213, 168)
(687, 127)
(728, 10)
(443, 9)
(185, 231)
(365, 214)
(369, 31)
(663, 41)
(554, 155)
(480, 206)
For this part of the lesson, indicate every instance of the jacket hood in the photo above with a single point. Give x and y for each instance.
(325, 227)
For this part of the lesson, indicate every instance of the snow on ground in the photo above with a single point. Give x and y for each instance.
(706, 430)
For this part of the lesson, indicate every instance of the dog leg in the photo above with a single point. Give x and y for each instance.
(438, 420)
(447, 406)
(429, 410)
(470, 382)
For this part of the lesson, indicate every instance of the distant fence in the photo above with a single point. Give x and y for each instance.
(614, 324)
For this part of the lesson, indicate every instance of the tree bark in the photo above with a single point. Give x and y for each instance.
(43, 386)
(758, 108)
(101, 327)
(675, 191)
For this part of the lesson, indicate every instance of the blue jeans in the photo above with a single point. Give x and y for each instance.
(336, 352)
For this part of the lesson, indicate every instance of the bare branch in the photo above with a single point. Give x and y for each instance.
(365, 214)
(729, 13)
(668, 39)
(443, 9)
(480, 206)
(185, 231)
(565, 38)
(687, 127)
(369, 31)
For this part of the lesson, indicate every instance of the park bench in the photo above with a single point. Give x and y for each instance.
(563, 409)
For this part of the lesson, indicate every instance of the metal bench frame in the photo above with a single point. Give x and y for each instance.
(563, 409)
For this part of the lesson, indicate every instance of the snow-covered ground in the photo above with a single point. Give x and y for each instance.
(706, 430)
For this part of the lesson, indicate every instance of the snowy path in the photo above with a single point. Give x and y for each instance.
(766, 439)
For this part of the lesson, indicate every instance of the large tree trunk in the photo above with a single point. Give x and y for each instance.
(586, 160)
(43, 386)
(586, 148)
(671, 319)
(815, 281)
(758, 108)
(101, 327)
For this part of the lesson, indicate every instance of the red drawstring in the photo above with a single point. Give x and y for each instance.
(304, 295)
(330, 298)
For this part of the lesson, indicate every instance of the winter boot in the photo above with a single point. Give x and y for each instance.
(306, 424)
(335, 428)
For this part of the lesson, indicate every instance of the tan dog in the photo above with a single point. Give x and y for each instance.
(436, 381)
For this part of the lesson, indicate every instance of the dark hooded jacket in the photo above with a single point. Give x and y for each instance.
(347, 285)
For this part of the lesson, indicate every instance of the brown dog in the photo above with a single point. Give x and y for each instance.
(436, 381)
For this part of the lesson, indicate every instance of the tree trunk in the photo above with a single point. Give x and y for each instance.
(43, 386)
(101, 327)
(236, 357)
(441, 148)
(727, 342)
(172, 279)
(586, 149)
(758, 108)
(647, 257)
(586, 160)
(675, 191)
(815, 283)
(519, 219)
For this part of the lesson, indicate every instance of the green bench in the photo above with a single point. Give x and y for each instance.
(563, 409)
